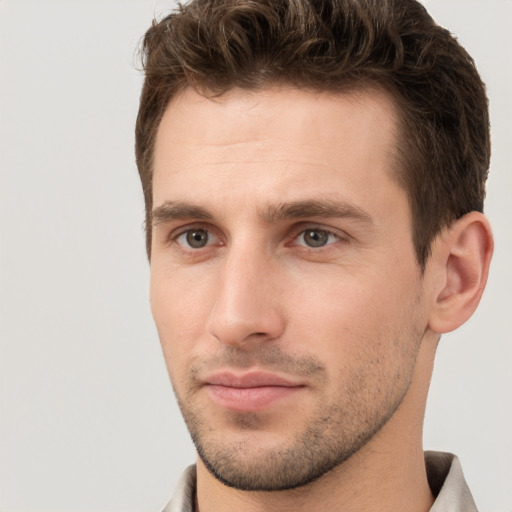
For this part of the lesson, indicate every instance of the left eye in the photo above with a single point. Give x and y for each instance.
(316, 238)
(195, 238)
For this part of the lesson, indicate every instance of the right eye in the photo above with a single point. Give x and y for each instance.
(196, 238)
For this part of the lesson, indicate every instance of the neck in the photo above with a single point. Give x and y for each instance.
(386, 475)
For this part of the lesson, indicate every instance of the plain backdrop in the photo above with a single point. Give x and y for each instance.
(87, 417)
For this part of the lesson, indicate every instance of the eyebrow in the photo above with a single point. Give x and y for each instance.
(175, 210)
(327, 208)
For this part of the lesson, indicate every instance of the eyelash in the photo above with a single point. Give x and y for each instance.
(328, 233)
(175, 236)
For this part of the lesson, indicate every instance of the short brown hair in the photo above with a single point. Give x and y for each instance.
(335, 45)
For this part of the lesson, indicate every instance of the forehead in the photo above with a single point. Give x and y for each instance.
(276, 142)
(237, 114)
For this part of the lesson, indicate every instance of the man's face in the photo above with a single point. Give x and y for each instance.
(284, 283)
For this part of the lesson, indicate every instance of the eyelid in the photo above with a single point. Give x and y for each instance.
(312, 226)
(328, 233)
(296, 231)
(176, 233)
(210, 240)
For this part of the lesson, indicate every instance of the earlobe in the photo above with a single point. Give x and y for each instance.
(463, 253)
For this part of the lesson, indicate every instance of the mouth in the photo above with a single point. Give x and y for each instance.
(249, 392)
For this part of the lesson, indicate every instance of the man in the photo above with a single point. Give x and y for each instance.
(314, 179)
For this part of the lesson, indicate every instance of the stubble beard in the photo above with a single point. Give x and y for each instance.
(317, 450)
(330, 436)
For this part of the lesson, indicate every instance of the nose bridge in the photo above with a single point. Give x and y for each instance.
(245, 303)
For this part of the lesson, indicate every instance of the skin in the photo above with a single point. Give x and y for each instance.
(351, 322)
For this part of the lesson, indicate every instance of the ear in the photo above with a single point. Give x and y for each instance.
(462, 255)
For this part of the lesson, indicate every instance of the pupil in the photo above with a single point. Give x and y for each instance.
(315, 238)
(197, 238)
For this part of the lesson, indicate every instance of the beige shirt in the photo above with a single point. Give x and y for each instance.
(443, 471)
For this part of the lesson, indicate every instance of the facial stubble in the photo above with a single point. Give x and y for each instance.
(331, 435)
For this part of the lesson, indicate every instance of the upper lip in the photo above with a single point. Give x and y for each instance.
(253, 379)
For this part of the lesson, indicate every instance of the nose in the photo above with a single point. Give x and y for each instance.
(247, 305)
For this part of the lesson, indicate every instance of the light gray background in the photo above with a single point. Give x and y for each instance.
(87, 420)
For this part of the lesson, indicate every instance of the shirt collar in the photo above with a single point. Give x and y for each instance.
(447, 483)
(444, 474)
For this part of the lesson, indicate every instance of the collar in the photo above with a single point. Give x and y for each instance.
(447, 483)
(444, 474)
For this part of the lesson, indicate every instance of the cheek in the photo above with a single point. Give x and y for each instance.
(180, 307)
(340, 302)
(347, 317)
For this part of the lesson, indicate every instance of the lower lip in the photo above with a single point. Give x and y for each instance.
(250, 399)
